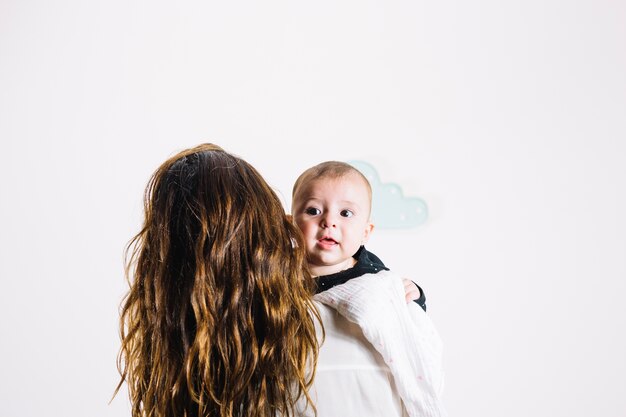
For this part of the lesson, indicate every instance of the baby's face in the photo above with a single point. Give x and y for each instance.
(333, 215)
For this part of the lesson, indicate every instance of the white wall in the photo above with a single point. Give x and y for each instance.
(508, 118)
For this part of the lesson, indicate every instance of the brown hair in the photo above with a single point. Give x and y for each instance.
(218, 320)
(328, 169)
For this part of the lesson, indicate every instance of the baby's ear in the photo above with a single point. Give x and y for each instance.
(369, 228)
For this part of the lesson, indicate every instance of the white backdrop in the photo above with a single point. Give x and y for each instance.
(508, 118)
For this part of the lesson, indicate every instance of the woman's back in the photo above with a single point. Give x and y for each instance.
(218, 319)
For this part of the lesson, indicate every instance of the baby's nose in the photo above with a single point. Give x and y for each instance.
(328, 221)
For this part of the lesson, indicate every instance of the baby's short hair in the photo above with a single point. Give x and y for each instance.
(332, 170)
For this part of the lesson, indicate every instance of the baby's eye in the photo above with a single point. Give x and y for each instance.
(347, 213)
(313, 211)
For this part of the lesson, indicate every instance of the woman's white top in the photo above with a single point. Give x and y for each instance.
(381, 355)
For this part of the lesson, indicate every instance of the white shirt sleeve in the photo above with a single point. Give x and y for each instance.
(401, 333)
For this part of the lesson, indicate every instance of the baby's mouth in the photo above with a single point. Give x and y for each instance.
(327, 241)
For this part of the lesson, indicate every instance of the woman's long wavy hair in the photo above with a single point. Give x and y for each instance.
(218, 320)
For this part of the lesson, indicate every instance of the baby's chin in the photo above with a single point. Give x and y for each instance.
(321, 268)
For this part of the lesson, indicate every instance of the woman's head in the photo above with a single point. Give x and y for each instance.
(217, 320)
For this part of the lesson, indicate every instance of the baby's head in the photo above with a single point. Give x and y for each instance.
(331, 204)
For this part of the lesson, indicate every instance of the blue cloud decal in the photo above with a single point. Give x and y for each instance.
(390, 208)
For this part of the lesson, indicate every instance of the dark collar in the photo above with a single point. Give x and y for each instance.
(366, 263)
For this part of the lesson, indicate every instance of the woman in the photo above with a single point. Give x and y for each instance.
(219, 319)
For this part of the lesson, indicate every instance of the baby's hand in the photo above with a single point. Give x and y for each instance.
(411, 292)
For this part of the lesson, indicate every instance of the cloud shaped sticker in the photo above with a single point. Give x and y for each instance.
(390, 208)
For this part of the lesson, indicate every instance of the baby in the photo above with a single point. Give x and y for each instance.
(367, 324)
(331, 204)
